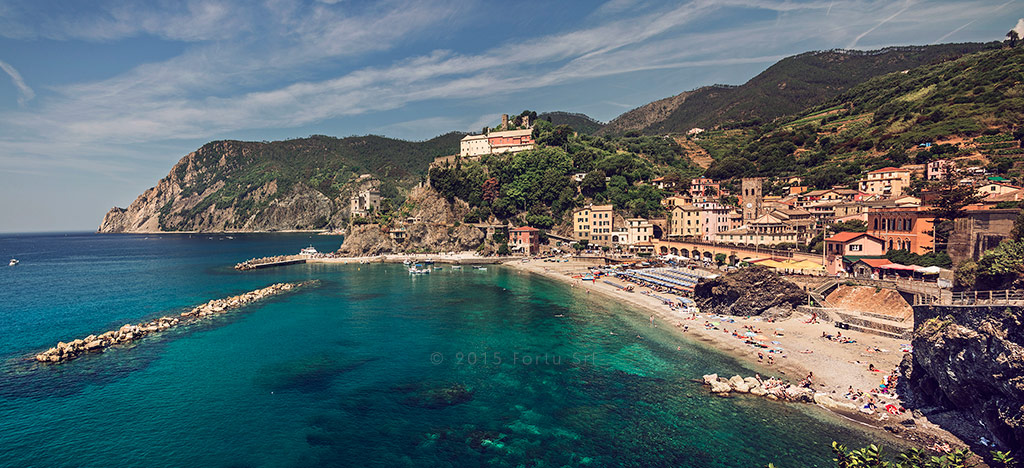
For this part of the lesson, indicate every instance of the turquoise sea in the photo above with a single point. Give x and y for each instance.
(372, 368)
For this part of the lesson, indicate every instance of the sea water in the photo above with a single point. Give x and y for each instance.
(374, 367)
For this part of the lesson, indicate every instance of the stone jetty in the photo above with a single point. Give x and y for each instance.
(266, 262)
(128, 333)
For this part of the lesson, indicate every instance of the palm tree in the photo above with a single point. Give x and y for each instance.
(1012, 37)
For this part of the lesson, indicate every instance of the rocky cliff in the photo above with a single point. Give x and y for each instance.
(434, 225)
(283, 185)
(970, 361)
(749, 291)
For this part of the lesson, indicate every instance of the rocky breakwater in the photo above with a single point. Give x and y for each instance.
(750, 291)
(128, 333)
(772, 389)
(967, 371)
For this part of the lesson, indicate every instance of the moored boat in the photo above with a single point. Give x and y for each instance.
(13, 262)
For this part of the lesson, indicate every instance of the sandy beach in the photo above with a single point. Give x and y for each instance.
(836, 366)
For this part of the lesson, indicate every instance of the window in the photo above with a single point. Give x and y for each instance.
(855, 248)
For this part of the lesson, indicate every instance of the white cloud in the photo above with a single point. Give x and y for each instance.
(1019, 27)
(24, 92)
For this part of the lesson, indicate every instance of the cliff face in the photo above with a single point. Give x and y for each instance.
(258, 186)
(970, 360)
(749, 291)
(433, 229)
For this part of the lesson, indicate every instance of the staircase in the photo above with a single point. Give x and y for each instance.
(877, 324)
(819, 293)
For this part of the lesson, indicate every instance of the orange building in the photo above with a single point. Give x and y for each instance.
(909, 229)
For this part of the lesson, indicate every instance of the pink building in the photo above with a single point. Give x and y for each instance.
(714, 218)
(704, 187)
(525, 239)
(853, 246)
(937, 169)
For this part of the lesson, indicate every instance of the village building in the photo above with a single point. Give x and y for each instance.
(845, 248)
(525, 239)
(594, 224)
(887, 182)
(684, 222)
(937, 170)
(713, 220)
(908, 229)
(978, 230)
(675, 200)
(704, 187)
(996, 188)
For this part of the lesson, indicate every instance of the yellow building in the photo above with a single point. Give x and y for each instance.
(594, 223)
(685, 221)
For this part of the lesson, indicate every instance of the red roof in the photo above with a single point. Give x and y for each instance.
(875, 262)
(848, 236)
(525, 228)
(888, 169)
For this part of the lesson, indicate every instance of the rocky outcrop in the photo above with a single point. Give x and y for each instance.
(304, 183)
(970, 360)
(128, 333)
(749, 291)
(435, 227)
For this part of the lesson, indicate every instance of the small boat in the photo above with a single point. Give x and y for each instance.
(13, 262)
(418, 269)
(479, 268)
(456, 267)
(308, 251)
(407, 262)
(437, 268)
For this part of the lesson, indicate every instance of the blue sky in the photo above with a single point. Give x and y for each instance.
(99, 99)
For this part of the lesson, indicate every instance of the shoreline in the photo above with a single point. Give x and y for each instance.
(835, 366)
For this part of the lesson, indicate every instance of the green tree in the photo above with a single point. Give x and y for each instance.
(950, 203)
(593, 183)
(720, 258)
(1012, 37)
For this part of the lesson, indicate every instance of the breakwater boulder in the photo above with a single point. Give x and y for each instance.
(254, 263)
(755, 290)
(129, 332)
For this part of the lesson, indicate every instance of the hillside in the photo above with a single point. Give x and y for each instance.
(294, 184)
(580, 122)
(966, 108)
(787, 87)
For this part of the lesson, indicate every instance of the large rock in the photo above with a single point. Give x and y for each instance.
(720, 386)
(969, 360)
(737, 384)
(827, 401)
(749, 291)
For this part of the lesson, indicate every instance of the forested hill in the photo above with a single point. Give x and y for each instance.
(787, 87)
(293, 184)
(580, 122)
(968, 108)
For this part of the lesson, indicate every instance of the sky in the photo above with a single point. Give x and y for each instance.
(99, 99)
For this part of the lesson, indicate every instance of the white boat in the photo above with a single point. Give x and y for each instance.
(308, 251)
(13, 262)
(407, 262)
(418, 270)
(456, 267)
(479, 268)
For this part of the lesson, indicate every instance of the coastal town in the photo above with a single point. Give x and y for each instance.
(757, 274)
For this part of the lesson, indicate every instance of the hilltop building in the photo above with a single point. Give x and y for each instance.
(497, 142)
(367, 199)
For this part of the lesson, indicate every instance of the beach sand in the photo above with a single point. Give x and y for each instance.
(836, 367)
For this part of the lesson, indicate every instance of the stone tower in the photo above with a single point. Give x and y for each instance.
(752, 198)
